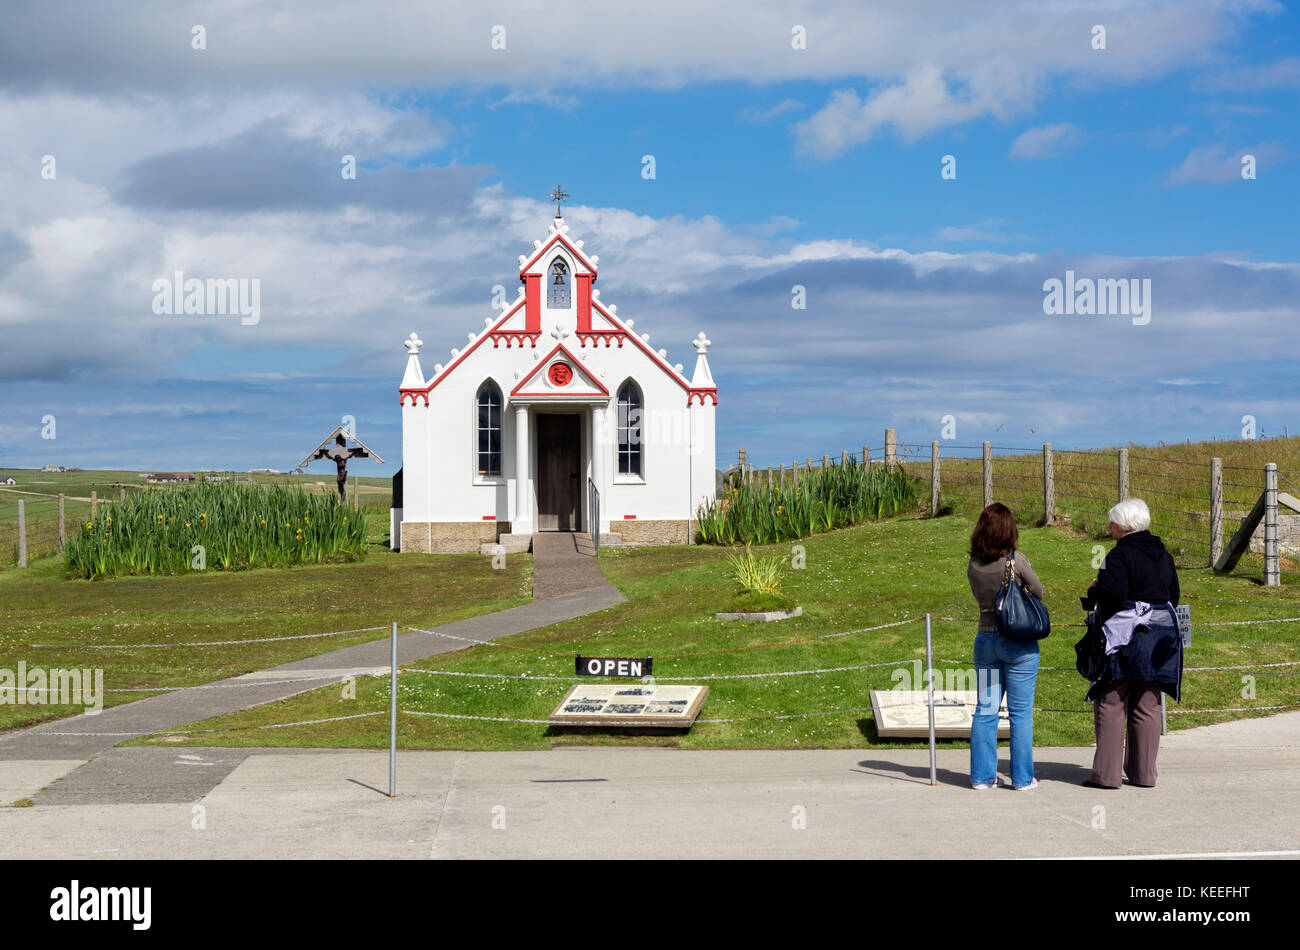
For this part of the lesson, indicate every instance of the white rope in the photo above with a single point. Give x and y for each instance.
(205, 643)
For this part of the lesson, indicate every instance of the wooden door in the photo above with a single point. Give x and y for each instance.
(558, 483)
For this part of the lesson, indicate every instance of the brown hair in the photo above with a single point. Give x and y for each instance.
(995, 535)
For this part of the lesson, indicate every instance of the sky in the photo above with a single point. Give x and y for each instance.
(862, 205)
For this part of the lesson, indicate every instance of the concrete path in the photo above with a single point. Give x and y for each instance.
(81, 737)
(563, 564)
(1228, 791)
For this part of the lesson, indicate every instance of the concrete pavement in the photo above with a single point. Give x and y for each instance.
(1229, 790)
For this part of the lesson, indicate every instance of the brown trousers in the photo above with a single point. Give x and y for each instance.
(1137, 706)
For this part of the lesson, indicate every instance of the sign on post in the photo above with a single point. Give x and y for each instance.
(1184, 612)
(637, 666)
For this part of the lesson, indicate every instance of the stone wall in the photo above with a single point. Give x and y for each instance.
(652, 532)
(449, 537)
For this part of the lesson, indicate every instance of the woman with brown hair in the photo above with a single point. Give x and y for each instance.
(1002, 665)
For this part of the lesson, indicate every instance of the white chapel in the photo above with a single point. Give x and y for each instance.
(556, 416)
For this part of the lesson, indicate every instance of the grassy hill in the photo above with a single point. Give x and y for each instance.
(855, 578)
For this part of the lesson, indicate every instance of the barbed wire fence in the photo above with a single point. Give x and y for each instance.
(1197, 504)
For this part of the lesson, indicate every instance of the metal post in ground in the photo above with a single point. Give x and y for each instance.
(1272, 576)
(929, 688)
(1049, 486)
(1164, 719)
(392, 719)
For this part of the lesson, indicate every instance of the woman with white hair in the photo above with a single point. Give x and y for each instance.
(1135, 594)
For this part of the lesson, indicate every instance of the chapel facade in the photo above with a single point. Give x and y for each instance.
(556, 416)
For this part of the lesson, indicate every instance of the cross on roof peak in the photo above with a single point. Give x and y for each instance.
(558, 195)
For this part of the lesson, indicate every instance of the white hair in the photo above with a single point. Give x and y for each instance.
(1131, 514)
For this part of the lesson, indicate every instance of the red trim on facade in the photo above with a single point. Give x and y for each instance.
(489, 517)
(594, 337)
(564, 393)
(414, 394)
(582, 283)
(712, 393)
(541, 251)
(629, 517)
(533, 308)
(677, 377)
(513, 336)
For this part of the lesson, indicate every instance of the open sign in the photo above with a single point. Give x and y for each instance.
(613, 665)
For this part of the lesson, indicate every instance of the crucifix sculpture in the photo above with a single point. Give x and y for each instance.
(336, 449)
(557, 196)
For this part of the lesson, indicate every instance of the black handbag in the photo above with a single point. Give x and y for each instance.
(1019, 614)
(1090, 652)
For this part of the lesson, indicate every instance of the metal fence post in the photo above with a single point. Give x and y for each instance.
(1049, 486)
(22, 534)
(1272, 576)
(988, 474)
(1123, 473)
(934, 479)
(1216, 510)
(392, 719)
(929, 686)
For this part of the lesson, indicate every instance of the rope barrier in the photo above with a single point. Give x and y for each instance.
(205, 643)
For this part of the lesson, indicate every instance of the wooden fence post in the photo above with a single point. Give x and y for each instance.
(121, 494)
(1272, 577)
(63, 525)
(844, 457)
(934, 479)
(769, 478)
(22, 534)
(826, 461)
(1123, 472)
(94, 504)
(1049, 486)
(988, 474)
(1216, 510)
(744, 460)
(891, 448)
(794, 472)
(866, 456)
(782, 474)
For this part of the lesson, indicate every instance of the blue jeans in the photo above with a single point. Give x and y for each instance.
(1010, 666)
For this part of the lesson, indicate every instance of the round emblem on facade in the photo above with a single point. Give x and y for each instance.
(560, 374)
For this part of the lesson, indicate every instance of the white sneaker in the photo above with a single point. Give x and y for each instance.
(994, 784)
(1033, 783)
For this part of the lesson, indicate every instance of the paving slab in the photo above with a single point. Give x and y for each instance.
(561, 565)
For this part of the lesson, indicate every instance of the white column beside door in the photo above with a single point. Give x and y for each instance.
(523, 521)
(599, 446)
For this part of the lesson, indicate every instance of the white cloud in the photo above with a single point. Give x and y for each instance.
(1216, 164)
(1046, 141)
(759, 115)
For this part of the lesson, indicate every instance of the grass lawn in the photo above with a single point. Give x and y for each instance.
(855, 577)
(38, 605)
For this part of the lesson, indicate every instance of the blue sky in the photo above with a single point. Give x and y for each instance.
(774, 166)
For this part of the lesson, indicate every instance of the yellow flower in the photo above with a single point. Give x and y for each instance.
(87, 524)
(187, 524)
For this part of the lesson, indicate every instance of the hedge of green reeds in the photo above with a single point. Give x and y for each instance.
(222, 526)
(835, 496)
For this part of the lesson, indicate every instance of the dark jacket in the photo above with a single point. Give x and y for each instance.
(1139, 568)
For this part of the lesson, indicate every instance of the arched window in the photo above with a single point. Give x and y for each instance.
(557, 291)
(489, 429)
(630, 410)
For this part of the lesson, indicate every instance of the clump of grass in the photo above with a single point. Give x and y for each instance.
(836, 496)
(754, 574)
(222, 526)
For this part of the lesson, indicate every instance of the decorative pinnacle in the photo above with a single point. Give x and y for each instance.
(557, 196)
(413, 344)
(701, 343)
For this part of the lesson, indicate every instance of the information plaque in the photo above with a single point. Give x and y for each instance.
(603, 704)
(903, 714)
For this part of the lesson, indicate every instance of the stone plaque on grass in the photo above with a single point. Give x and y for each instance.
(604, 704)
(903, 714)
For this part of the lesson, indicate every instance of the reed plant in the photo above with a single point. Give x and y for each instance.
(225, 526)
(835, 496)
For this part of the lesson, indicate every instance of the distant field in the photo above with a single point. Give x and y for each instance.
(40, 492)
